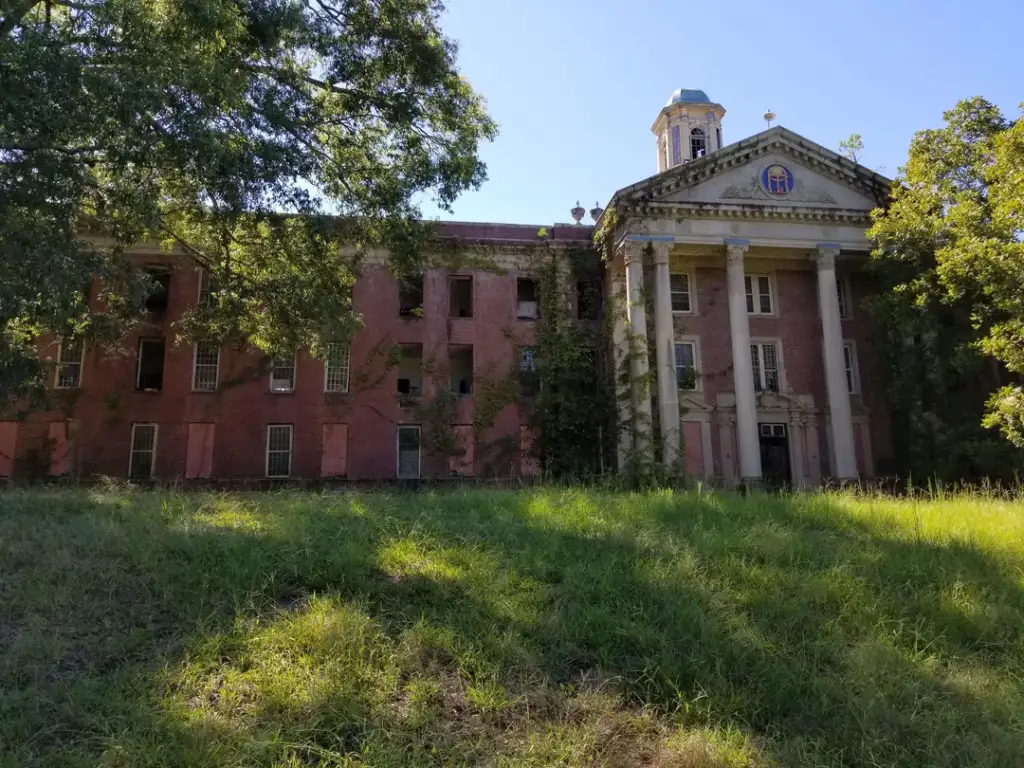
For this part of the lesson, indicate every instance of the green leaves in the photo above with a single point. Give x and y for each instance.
(951, 263)
(271, 143)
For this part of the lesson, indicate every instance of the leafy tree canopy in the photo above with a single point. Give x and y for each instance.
(951, 260)
(257, 136)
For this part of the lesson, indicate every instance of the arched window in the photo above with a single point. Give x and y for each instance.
(698, 143)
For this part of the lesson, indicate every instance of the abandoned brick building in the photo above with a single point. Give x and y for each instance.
(753, 255)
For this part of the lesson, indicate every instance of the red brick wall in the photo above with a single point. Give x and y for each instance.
(106, 404)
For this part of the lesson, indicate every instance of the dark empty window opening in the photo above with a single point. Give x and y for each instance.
(410, 370)
(460, 360)
(410, 296)
(588, 299)
(149, 375)
(528, 298)
(718, 137)
(461, 296)
(159, 290)
(698, 143)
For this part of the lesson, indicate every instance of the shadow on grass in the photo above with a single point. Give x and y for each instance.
(552, 628)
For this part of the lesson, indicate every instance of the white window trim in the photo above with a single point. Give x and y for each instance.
(695, 340)
(80, 364)
(843, 284)
(691, 278)
(347, 368)
(772, 294)
(777, 341)
(132, 451)
(398, 452)
(270, 376)
(138, 361)
(291, 445)
(854, 367)
(195, 356)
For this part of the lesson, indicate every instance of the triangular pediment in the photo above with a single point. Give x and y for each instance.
(775, 168)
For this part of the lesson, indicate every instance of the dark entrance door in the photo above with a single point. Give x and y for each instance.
(774, 455)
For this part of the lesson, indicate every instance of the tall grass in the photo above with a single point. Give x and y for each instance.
(548, 627)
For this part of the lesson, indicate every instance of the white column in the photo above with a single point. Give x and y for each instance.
(620, 344)
(844, 465)
(748, 446)
(664, 337)
(639, 368)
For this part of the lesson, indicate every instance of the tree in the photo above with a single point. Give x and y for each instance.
(852, 147)
(257, 136)
(949, 311)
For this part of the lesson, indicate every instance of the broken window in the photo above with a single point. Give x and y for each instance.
(461, 297)
(410, 370)
(529, 379)
(282, 375)
(588, 299)
(160, 289)
(408, 452)
(460, 359)
(149, 373)
(698, 143)
(410, 296)
(143, 453)
(528, 298)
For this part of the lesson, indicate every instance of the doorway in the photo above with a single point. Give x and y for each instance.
(775, 470)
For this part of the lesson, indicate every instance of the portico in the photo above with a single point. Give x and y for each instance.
(740, 260)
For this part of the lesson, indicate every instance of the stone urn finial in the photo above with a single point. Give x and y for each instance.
(596, 211)
(577, 213)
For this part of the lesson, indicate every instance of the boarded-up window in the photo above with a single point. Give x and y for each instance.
(8, 440)
(199, 454)
(461, 464)
(60, 447)
(334, 456)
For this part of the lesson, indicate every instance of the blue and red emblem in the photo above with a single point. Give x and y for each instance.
(777, 180)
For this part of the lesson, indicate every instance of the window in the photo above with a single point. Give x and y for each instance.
(410, 296)
(773, 430)
(69, 364)
(680, 287)
(206, 286)
(143, 453)
(529, 381)
(718, 136)
(410, 369)
(588, 299)
(850, 363)
(527, 296)
(759, 294)
(460, 294)
(408, 452)
(698, 143)
(149, 373)
(843, 294)
(686, 365)
(765, 359)
(159, 290)
(460, 360)
(282, 376)
(205, 367)
(279, 450)
(336, 367)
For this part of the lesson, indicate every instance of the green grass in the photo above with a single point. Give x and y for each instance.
(536, 628)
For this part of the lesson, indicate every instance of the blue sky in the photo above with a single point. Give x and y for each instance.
(575, 85)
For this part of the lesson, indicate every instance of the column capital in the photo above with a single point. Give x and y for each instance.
(661, 252)
(735, 248)
(827, 253)
(633, 251)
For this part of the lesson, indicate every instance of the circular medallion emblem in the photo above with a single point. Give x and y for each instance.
(777, 180)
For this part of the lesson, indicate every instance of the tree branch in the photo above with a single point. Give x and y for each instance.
(13, 19)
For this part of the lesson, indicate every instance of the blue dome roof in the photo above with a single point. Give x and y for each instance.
(688, 96)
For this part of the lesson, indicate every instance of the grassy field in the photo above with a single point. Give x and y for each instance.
(493, 628)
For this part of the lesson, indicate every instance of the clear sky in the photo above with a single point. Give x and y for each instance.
(576, 84)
